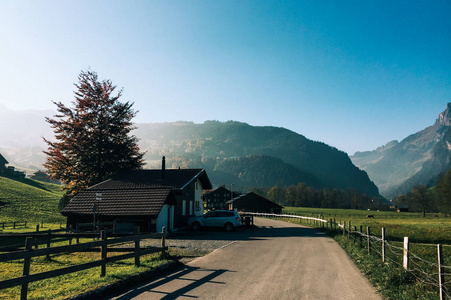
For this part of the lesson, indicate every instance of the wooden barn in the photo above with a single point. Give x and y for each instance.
(252, 202)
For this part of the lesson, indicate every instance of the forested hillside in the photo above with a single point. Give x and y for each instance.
(234, 152)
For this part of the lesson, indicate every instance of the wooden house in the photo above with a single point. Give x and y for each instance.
(3, 163)
(149, 198)
(217, 198)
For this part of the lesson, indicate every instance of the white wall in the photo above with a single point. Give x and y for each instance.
(198, 205)
(162, 219)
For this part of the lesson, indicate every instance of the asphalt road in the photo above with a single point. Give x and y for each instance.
(278, 261)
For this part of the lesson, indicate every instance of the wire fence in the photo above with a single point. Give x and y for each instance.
(420, 261)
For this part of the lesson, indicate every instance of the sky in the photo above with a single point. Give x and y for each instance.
(352, 74)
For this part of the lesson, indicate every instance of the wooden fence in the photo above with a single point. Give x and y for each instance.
(13, 225)
(420, 268)
(101, 245)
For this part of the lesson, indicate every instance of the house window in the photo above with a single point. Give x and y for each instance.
(197, 185)
(191, 204)
(184, 207)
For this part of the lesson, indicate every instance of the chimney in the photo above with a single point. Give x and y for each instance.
(163, 167)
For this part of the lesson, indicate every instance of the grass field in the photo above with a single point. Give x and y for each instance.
(30, 200)
(434, 228)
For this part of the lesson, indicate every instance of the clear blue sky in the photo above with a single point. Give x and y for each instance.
(352, 74)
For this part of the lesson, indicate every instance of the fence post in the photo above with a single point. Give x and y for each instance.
(368, 232)
(103, 253)
(344, 228)
(361, 236)
(36, 238)
(383, 244)
(77, 230)
(335, 223)
(349, 229)
(48, 242)
(406, 253)
(137, 246)
(441, 275)
(163, 240)
(26, 267)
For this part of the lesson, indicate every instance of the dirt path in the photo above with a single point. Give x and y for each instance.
(279, 261)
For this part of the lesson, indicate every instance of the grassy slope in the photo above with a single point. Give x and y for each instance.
(29, 200)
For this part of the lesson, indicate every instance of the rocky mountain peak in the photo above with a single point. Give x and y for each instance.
(444, 118)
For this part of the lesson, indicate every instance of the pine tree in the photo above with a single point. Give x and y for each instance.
(93, 139)
(443, 193)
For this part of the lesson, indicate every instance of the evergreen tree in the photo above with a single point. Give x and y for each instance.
(443, 193)
(93, 138)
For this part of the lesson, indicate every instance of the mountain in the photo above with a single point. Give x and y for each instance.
(21, 135)
(235, 152)
(231, 152)
(418, 159)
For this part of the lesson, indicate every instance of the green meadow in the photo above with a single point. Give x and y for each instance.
(30, 200)
(434, 228)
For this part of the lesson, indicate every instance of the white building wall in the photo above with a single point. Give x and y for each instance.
(163, 218)
(198, 205)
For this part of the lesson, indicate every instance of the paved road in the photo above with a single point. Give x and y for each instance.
(278, 261)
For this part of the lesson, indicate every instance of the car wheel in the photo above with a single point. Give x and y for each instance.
(195, 226)
(228, 227)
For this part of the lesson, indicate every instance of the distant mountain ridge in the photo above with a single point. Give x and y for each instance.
(418, 159)
(231, 152)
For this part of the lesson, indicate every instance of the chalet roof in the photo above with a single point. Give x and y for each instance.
(3, 161)
(121, 202)
(221, 190)
(253, 201)
(172, 178)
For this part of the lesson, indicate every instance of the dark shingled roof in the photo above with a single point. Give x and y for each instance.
(121, 202)
(253, 202)
(3, 161)
(172, 178)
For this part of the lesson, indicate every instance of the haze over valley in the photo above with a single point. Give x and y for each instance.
(258, 156)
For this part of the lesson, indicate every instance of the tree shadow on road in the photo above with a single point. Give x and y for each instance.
(188, 278)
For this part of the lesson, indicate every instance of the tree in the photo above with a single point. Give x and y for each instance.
(277, 195)
(421, 199)
(443, 193)
(93, 139)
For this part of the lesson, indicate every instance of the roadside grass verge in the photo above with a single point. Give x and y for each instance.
(71, 285)
(390, 278)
